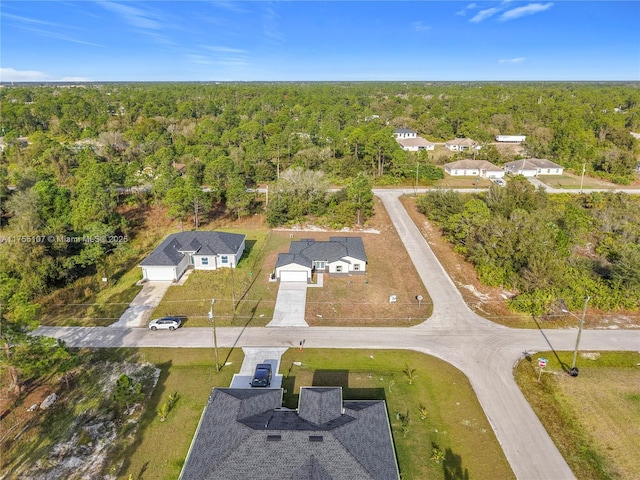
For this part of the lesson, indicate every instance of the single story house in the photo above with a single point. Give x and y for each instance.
(415, 144)
(462, 145)
(532, 167)
(405, 133)
(202, 250)
(473, 168)
(339, 255)
(247, 433)
(511, 138)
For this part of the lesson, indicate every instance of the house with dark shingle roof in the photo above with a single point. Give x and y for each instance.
(246, 433)
(339, 255)
(200, 250)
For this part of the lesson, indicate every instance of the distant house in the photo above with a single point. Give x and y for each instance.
(532, 167)
(246, 433)
(511, 138)
(201, 250)
(405, 133)
(462, 145)
(473, 168)
(415, 144)
(339, 255)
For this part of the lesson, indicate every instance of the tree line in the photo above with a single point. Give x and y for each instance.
(546, 248)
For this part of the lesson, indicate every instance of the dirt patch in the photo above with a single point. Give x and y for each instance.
(364, 299)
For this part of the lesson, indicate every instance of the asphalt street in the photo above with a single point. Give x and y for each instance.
(484, 351)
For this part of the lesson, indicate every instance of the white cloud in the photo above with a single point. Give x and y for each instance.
(27, 20)
(13, 75)
(420, 26)
(199, 59)
(230, 6)
(530, 9)
(512, 60)
(484, 14)
(463, 12)
(8, 75)
(224, 49)
(134, 16)
(270, 24)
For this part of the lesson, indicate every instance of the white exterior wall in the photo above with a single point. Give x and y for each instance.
(159, 274)
(198, 265)
(494, 174)
(511, 138)
(293, 267)
(355, 261)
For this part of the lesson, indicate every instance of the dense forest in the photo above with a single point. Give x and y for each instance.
(75, 155)
(546, 248)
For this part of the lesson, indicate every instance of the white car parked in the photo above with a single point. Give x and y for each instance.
(170, 323)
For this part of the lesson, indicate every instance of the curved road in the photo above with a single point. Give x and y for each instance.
(484, 351)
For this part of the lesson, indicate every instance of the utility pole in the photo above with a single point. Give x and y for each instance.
(574, 371)
(584, 167)
(215, 339)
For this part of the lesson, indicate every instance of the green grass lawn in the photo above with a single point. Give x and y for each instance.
(454, 425)
(594, 419)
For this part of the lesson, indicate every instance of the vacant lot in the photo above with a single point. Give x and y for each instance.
(594, 419)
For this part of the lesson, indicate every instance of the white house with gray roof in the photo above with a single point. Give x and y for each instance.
(473, 168)
(532, 167)
(339, 255)
(201, 250)
(247, 434)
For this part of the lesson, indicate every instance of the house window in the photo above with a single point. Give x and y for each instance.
(338, 268)
(205, 261)
(356, 267)
(320, 265)
(224, 259)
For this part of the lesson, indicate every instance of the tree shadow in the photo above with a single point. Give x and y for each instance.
(452, 466)
(564, 366)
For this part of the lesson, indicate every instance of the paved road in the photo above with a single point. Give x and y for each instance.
(484, 351)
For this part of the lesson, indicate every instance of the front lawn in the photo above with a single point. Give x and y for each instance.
(594, 419)
(439, 429)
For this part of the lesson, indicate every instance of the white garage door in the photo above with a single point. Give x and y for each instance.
(154, 274)
(293, 276)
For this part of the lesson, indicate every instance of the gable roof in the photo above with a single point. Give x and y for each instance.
(463, 142)
(404, 130)
(173, 248)
(470, 164)
(305, 252)
(414, 142)
(244, 433)
(531, 164)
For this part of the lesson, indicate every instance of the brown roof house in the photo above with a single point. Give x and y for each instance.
(247, 434)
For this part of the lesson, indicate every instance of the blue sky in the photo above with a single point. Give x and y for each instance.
(162, 40)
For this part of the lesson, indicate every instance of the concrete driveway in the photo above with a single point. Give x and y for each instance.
(140, 308)
(252, 357)
(290, 305)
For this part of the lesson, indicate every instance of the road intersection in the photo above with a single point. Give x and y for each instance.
(484, 351)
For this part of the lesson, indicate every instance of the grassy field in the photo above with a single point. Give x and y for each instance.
(454, 425)
(594, 419)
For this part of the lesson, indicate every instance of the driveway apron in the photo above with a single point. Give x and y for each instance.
(290, 305)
